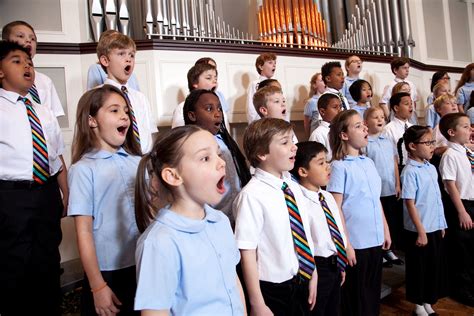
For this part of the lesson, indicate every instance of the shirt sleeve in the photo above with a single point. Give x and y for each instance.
(94, 77)
(158, 270)
(178, 119)
(308, 109)
(447, 167)
(409, 185)
(337, 181)
(387, 91)
(55, 102)
(249, 221)
(461, 98)
(81, 195)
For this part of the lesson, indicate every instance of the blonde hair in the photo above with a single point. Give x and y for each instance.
(442, 99)
(398, 87)
(260, 98)
(371, 110)
(437, 87)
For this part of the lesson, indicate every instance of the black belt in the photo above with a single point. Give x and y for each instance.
(329, 261)
(25, 184)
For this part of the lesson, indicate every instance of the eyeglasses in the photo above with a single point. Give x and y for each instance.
(445, 78)
(427, 143)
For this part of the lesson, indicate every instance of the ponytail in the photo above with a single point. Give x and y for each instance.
(400, 152)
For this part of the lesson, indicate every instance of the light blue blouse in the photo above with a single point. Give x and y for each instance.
(382, 152)
(102, 185)
(356, 178)
(420, 183)
(187, 266)
(311, 110)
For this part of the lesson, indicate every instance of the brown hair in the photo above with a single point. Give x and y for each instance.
(465, 77)
(450, 121)
(195, 71)
(7, 29)
(347, 63)
(260, 98)
(258, 136)
(398, 87)
(89, 105)
(312, 82)
(113, 40)
(166, 152)
(262, 58)
(339, 124)
(371, 110)
(397, 62)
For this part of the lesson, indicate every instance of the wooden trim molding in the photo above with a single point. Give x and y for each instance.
(257, 48)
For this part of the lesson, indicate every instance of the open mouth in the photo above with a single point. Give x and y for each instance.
(28, 48)
(292, 158)
(283, 112)
(127, 68)
(122, 130)
(220, 185)
(27, 75)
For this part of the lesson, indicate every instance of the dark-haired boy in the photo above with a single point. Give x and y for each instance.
(328, 106)
(312, 172)
(272, 229)
(30, 199)
(457, 171)
(333, 77)
(265, 64)
(400, 67)
(401, 104)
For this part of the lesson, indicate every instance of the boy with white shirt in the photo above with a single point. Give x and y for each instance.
(402, 106)
(333, 77)
(457, 171)
(400, 67)
(117, 56)
(266, 66)
(312, 171)
(328, 106)
(272, 227)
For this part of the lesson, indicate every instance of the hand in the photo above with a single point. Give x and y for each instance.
(422, 240)
(387, 241)
(343, 277)
(260, 310)
(106, 302)
(443, 233)
(398, 191)
(465, 221)
(351, 256)
(313, 290)
(65, 205)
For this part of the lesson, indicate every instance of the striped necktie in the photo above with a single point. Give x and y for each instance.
(136, 133)
(335, 234)
(343, 104)
(40, 149)
(470, 156)
(34, 94)
(303, 252)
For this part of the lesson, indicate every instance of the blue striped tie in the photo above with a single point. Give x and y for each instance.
(34, 94)
(136, 133)
(40, 149)
(303, 252)
(335, 234)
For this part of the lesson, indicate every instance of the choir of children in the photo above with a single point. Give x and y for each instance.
(309, 243)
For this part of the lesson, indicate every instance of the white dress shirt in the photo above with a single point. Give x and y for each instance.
(321, 135)
(47, 93)
(455, 166)
(16, 151)
(394, 131)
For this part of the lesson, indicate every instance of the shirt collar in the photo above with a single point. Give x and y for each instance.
(351, 158)
(10, 95)
(104, 154)
(374, 138)
(400, 122)
(332, 90)
(399, 80)
(350, 79)
(270, 179)
(116, 84)
(418, 164)
(312, 195)
(324, 124)
(185, 224)
(456, 147)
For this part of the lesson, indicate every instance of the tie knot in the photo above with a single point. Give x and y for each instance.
(321, 196)
(124, 89)
(284, 186)
(24, 100)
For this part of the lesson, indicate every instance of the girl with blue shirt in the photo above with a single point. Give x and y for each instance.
(203, 108)
(424, 222)
(105, 157)
(465, 87)
(311, 113)
(186, 256)
(356, 186)
(361, 92)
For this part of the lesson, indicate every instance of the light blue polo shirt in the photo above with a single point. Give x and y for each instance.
(431, 117)
(231, 183)
(360, 109)
(464, 94)
(348, 81)
(311, 110)
(382, 152)
(420, 183)
(102, 185)
(187, 266)
(356, 178)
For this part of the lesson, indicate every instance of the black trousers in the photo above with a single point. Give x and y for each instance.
(361, 290)
(461, 252)
(329, 287)
(286, 298)
(393, 210)
(122, 282)
(30, 234)
(424, 268)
